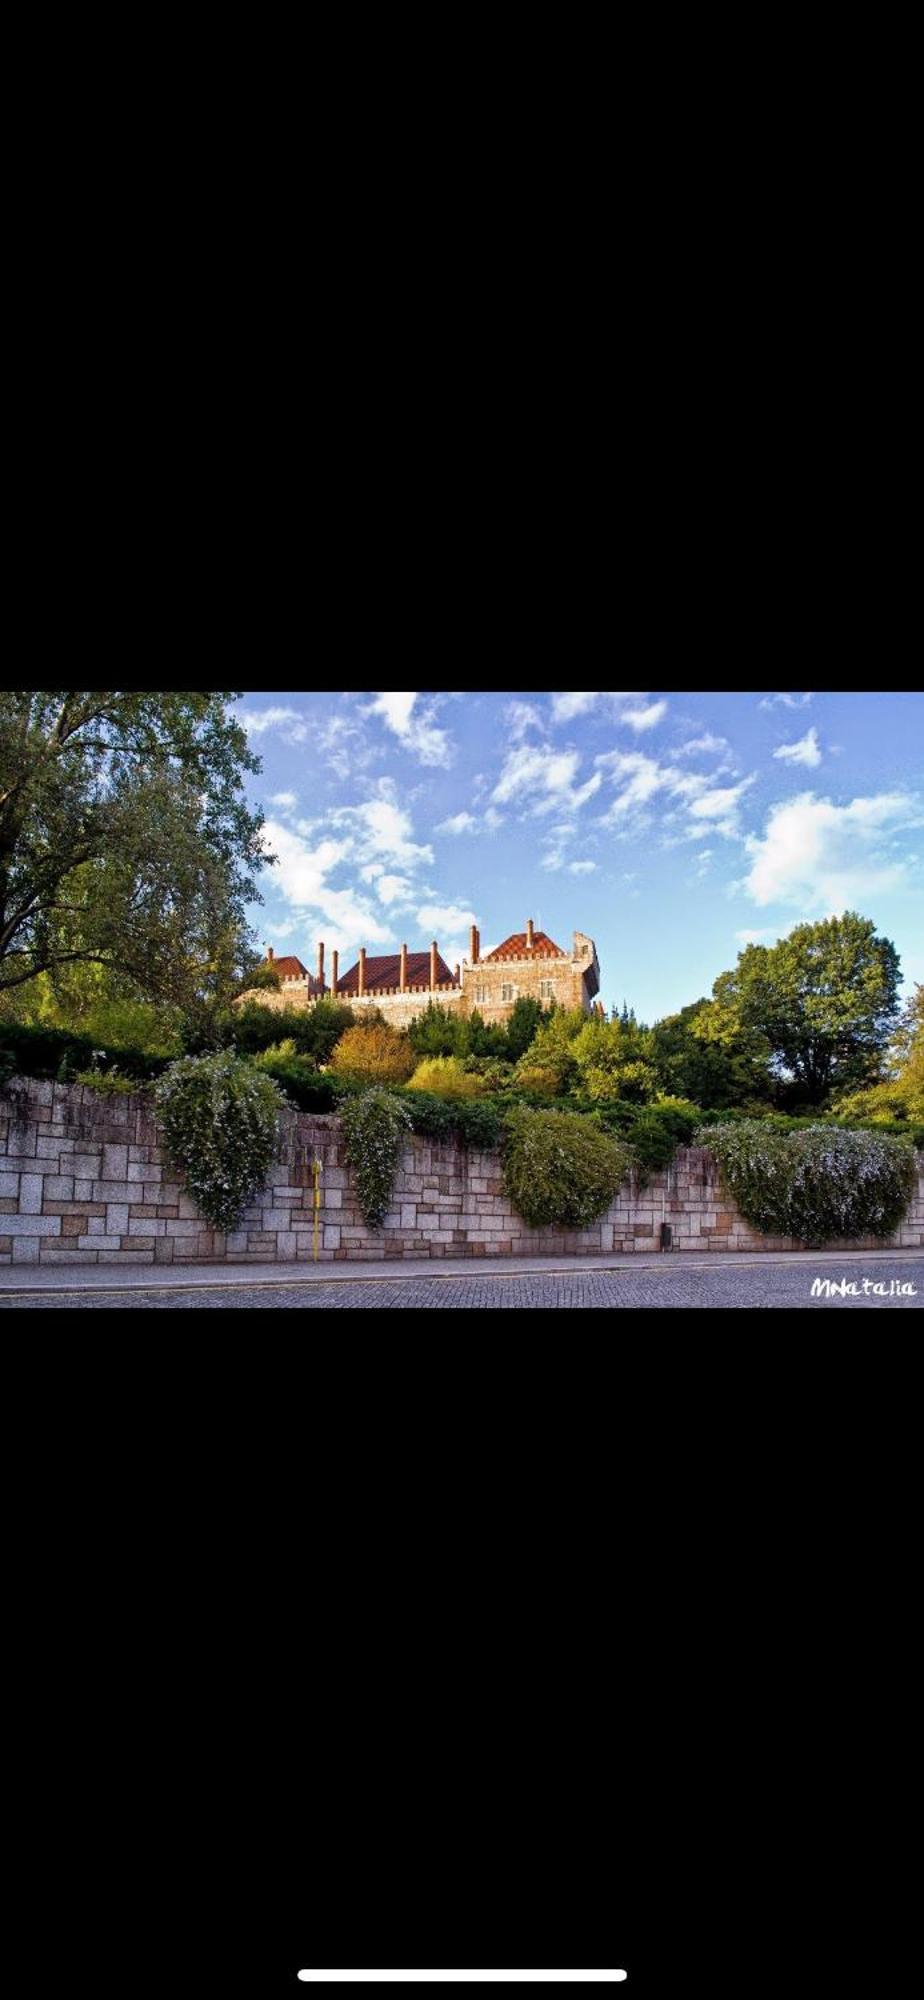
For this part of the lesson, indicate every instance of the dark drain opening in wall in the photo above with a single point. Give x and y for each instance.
(667, 1235)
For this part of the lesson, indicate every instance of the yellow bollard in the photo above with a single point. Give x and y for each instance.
(317, 1202)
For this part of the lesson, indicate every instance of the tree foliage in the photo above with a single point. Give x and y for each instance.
(126, 840)
(705, 1055)
(374, 1053)
(825, 1000)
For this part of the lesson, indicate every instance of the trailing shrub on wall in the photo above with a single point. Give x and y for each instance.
(375, 1127)
(560, 1169)
(221, 1125)
(815, 1183)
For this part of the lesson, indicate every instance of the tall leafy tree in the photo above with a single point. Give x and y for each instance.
(705, 1054)
(126, 840)
(825, 998)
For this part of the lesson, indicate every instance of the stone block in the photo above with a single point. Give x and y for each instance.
(141, 1225)
(163, 1250)
(114, 1191)
(115, 1162)
(9, 1185)
(26, 1250)
(58, 1187)
(286, 1245)
(117, 1217)
(31, 1225)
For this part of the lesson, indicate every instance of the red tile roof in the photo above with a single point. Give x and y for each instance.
(287, 968)
(515, 947)
(384, 973)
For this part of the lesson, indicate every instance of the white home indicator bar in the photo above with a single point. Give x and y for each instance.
(396, 1978)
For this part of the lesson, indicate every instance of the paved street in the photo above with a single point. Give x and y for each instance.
(763, 1285)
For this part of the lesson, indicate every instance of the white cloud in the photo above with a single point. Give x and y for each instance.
(393, 888)
(806, 751)
(718, 808)
(707, 744)
(521, 716)
(436, 917)
(758, 936)
(285, 800)
(344, 743)
(414, 727)
(461, 822)
(566, 706)
(301, 876)
(644, 718)
(640, 779)
(384, 827)
(257, 721)
(830, 857)
(546, 779)
(581, 867)
(787, 700)
(493, 819)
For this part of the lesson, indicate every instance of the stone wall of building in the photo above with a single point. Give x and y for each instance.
(82, 1181)
(542, 979)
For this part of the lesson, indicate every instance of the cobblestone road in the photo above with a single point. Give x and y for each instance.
(760, 1286)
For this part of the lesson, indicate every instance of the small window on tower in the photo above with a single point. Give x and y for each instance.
(546, 989)
(508, 993)
(481, 996)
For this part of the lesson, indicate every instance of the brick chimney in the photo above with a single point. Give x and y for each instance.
(269, 953)
(457, 976)
(362, 969)
(529, 933)
(473, 946)
(321, 967)
(404, 968)
(335, 968)
(433, 949)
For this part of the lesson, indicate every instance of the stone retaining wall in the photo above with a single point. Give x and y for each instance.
(82, 1181)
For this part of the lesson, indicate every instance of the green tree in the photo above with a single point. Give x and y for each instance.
(704, 1055)
(126, 840)
(438, 1031)
(613, 1060)
(825, 999)
(523, 1023)
(901, 1094)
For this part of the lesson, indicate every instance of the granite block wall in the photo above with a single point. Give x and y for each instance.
(82, 1180)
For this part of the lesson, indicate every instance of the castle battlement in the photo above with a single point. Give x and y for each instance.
(528, 964)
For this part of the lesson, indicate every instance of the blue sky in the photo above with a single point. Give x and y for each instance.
(673, 828)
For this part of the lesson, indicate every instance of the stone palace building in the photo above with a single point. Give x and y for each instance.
(527, 965)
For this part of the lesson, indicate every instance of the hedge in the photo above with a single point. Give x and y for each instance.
(58, 1053)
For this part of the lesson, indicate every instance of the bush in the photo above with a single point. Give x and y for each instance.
(375, 1127)
(221, 1126)
(314, 1030)
(302, 1084)
(816, 1183)
(444, 1076)
(478, 1123)
(537, 1081)
(57, 1053)
(560, 1169)
(374, 1054)
(109, 1083)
